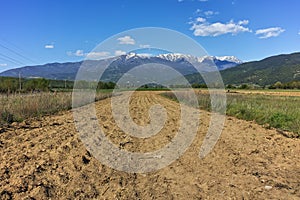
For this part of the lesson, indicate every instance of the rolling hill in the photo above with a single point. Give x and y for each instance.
(283, 68)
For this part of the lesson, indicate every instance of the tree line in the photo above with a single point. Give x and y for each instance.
(289, 85)
(11, 85)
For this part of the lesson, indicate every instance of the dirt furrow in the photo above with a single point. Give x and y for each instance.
(45, 159)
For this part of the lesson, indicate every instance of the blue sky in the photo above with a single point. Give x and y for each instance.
(39, 31)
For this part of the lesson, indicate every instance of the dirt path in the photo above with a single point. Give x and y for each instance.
(46, 160)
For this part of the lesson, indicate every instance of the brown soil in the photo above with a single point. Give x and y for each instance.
(44, 159)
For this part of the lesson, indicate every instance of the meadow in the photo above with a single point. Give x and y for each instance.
(272, 111)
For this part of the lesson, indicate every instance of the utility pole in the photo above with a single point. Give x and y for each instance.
(20, 82)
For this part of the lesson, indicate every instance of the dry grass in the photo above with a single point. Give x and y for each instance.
(17, 107)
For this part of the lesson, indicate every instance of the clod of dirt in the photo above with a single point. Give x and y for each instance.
(6, 195)
(85, 160)
(55, 124)
(2, 130)
(284, 186)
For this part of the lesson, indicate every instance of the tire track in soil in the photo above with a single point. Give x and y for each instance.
(43, 159)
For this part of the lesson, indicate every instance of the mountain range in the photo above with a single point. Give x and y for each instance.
(121, 64)
(283, 68)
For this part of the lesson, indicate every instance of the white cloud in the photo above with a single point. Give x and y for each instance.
(49, 46)
(244, 22)
(210, 13)
(91, 55)
(119, 52)
(206, 14)
(200, 19)
(269, 32)
(299, 33)
(98, 55)
(126, 40)
(144, 46)
(79, 53)
(3, 64)
(145, 54)
(203, 28)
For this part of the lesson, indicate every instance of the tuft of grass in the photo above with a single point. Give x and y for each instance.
(281, 120)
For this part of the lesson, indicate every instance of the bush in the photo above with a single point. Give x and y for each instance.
(244, 86)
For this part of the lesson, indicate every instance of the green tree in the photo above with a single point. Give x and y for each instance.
(278, 84)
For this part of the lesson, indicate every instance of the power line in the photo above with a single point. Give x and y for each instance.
(17, 53)
(5, 59)
(10, 59)
(18, 49)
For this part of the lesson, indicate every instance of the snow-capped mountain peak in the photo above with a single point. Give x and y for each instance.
(131, 55)
(229, 58)
(174, 57)
(177, 56)
(222, 62)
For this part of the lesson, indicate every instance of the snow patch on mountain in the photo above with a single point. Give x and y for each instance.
(173, 57)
